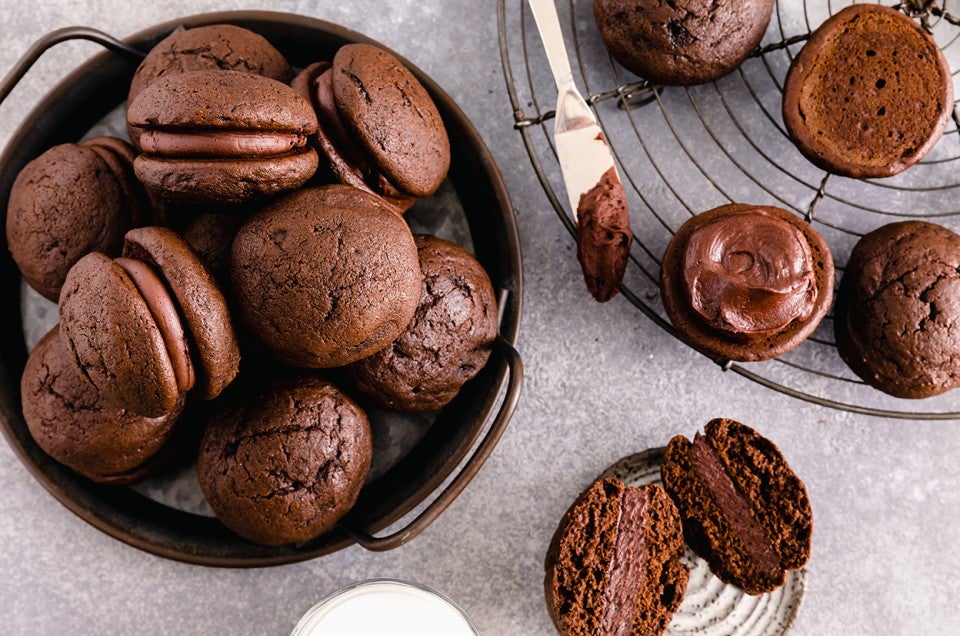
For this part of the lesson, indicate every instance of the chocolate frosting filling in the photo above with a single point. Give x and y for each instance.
(603, 238)
(219, 143)
(164, 312)
(749, 274)
(734, 508)
(624, 576)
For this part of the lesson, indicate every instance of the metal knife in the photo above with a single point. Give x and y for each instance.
(593, 185)
(581, 147)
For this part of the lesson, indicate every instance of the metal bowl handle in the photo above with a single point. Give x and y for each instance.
(469, 470)
(48, 41)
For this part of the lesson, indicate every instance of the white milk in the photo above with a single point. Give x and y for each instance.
(381, 607)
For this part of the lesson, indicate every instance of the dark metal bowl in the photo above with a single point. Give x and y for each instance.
(99, 86)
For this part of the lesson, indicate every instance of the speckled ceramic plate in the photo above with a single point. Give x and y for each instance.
(710, 606)
(418, 458)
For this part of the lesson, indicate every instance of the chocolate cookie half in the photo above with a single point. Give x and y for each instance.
(743, 509)
(284, 465)
(614, 564)
(897, 319)
(682, 42)
(746, 282)
(448, 341)
(70, 420)
(325, 276)
(869, 94)
(72, 200)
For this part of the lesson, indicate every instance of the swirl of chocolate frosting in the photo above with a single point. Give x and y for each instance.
(749, 274)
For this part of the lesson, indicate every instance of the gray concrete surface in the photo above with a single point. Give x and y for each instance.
(602, 382)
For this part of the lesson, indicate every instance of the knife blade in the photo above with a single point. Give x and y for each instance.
(590, 176)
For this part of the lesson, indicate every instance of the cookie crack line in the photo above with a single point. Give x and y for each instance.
(359, 84)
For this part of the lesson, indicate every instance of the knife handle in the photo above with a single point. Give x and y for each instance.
(548, 23)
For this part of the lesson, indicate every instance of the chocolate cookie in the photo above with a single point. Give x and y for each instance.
(746, 282)
(614, 564)
(447, 342)
(285, 465)
(147, 327)
(325, 276)
(869, 94)
(211, 237)
(897, 320)
(72, 200)
(71, 422)
(684, 42)
(743, 509)
(379, 129)
(214, 47)
(222, 137)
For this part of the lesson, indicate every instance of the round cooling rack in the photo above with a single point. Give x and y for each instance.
(681, 151)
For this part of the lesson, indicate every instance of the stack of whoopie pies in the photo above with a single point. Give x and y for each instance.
(250, 238)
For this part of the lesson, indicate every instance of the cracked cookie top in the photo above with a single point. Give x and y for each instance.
(897, 318)
(70, 420)
(285, 465)
(448, 341)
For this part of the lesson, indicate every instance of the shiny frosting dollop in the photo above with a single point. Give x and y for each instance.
(749, 273)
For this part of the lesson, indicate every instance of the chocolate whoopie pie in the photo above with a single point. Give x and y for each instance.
(378, 127)
(72, 200)
(149, 326)
(214, 47)
(684, 42)
(222, 137)
(746, 282)
(743, 509)
(325, 276)
(284, 465)
(72, 423)
(614, 564)
(897, 318)
(869, 94)
(447, 342)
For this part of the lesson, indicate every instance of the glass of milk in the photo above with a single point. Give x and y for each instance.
(385, 606)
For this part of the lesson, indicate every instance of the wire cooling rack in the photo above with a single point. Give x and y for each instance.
(685, 150)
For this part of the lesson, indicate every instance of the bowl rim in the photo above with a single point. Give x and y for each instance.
(136, 504)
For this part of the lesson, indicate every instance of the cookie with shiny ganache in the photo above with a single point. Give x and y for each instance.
(149, 326)
(743, 509)
(71, 422)
(222, 137)
(614, 565)
(214, 47)
(685, 42)
(746, 282)
(869, 94)
(72, 200)
(284, 465)
(897, 317)
(445, 345)
(378, 127)
(325, 276)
